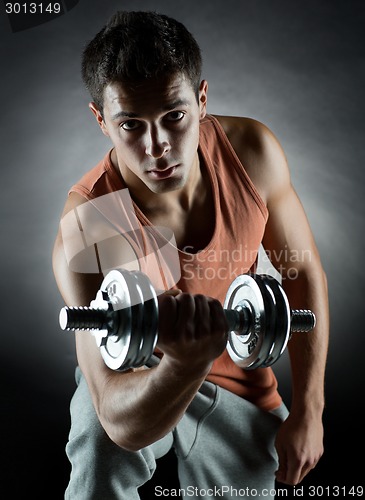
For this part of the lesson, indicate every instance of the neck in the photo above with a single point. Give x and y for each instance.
(186, 196)
(150, 202)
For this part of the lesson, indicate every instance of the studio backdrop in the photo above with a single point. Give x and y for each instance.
(296, 66)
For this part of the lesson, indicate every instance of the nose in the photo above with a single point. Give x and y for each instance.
(157, 144)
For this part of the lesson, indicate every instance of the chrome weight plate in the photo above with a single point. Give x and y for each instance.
(270, 326)
(137, 309)
(244, 349)
(149, 332)
(269, 320)
(120, 349)
(282, 328)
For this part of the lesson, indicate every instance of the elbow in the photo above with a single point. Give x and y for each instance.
(119, 437)
(123, 436)
(133, 447)
(128, 442)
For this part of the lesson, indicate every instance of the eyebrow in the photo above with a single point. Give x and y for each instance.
(167, 107)
(124, 114)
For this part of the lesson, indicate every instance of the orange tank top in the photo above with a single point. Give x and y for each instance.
(240, 219)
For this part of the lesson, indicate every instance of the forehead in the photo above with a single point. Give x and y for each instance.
(149, 96)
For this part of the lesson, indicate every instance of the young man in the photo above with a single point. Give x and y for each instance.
(221, 184)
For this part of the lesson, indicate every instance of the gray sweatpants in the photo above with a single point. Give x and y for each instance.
(224, 446)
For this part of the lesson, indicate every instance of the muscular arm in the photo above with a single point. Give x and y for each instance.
(138, 407)
(290, 245)
(300, 440)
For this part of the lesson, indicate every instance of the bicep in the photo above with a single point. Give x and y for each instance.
(77, 289)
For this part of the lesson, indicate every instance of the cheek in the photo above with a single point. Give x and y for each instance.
(191, 141)
(129, 147)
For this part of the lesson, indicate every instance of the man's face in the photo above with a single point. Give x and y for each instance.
(155, 131)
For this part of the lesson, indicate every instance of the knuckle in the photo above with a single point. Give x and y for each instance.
(185, 299)
(200, 297)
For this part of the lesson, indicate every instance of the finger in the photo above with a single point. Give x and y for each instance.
(218, 319)
(306, 469)
(185, 314)
(281, 474)
(168, 313)
(294, 472)
(282, 469)
(303, 473)
(202, 316)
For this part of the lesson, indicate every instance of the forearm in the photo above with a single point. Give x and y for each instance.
(137, 408)
(146, 404)
(308, 352)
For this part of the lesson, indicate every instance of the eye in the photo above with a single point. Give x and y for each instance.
(130, 125)
(175, 116)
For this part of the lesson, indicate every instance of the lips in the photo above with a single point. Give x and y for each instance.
(162, 174)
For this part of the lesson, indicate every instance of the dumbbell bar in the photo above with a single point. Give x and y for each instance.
(124, 320)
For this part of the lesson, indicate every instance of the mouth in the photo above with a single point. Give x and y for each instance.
(162, 174)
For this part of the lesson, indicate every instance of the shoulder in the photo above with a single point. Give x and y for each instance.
(259, 151)
(251, 138)
(100, 179)
(242, 127)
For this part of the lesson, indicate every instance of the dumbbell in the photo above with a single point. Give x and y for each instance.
(123, 318)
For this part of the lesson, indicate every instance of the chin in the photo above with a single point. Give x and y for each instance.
(167, 185)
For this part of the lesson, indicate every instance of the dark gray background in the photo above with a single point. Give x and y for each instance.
(296, 66)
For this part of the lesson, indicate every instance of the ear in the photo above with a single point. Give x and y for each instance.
(99, 118)
(203, 97)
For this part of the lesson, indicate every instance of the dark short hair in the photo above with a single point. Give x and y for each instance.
(134, 47)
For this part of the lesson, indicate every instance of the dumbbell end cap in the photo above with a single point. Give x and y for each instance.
(63, 318)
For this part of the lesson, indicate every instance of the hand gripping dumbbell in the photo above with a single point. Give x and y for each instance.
(124, 320)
